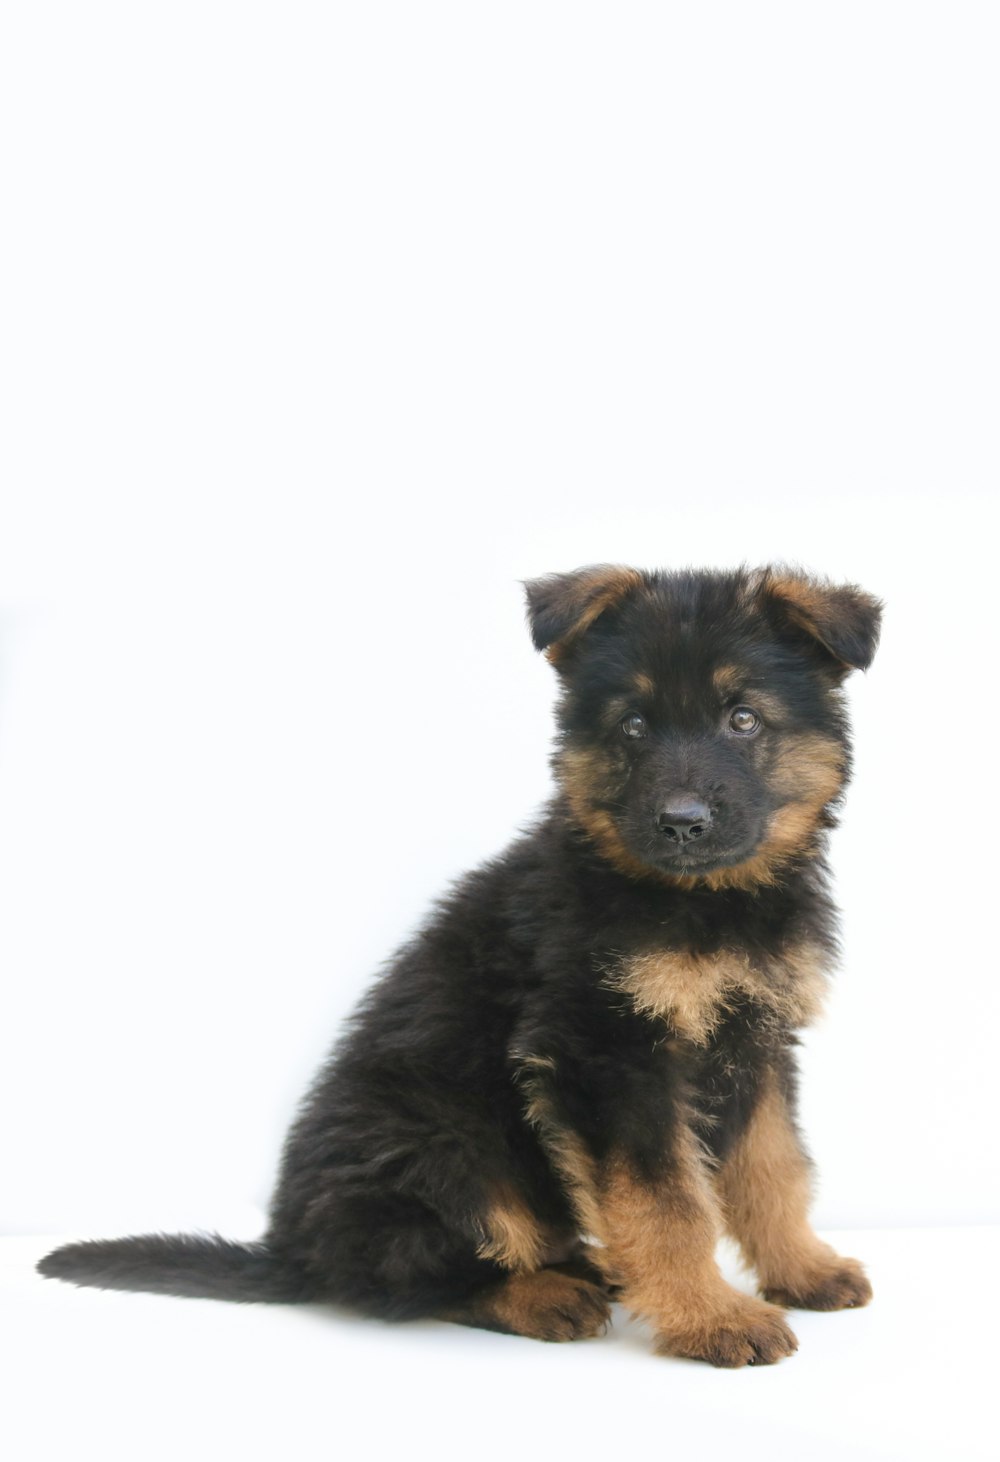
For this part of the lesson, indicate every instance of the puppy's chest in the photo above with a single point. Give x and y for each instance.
(693, 993)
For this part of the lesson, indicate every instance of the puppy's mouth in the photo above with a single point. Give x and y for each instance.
(701, 860)
(705, 853)
(685, 850)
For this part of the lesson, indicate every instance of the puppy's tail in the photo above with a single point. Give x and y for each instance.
(200, 1266)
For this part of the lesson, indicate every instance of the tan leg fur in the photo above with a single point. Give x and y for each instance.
(764, 1188)
(657, 1247)
(660, 1247)
(547, 1304)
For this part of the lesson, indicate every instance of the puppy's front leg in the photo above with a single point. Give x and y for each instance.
(764, 1186)
(653, 1209)
(659, 1233)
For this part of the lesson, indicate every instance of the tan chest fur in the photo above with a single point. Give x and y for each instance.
(692, 993)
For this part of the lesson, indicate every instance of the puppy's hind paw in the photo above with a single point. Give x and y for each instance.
(544, 1305)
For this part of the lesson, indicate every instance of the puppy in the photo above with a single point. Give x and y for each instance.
(580, 1070)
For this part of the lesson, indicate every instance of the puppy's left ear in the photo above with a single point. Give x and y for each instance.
(842, 618)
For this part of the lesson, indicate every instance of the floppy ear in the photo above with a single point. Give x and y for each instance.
(842, 618)
(562, 606)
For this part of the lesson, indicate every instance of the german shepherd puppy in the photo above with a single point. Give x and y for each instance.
(580, 1070)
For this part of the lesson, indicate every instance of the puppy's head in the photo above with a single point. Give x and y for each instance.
(703, 737)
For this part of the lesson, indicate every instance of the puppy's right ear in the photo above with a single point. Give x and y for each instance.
(562, 606)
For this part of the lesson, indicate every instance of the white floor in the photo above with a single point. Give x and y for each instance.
(139, 1377)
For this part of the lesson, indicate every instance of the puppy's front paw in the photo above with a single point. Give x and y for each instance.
(747, 1333)
(840, 1284)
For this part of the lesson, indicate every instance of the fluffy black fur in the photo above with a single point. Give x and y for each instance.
(418, 1121)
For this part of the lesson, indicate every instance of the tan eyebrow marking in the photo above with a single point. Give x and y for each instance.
(643, 683)
(730, 681)
(770, 706)
(615, 708)
(727, 679)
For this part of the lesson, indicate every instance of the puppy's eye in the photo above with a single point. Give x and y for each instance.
(744, 720)
(634, 726)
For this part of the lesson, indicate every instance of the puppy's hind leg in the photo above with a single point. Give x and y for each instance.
(545, 1304)
(536, 1297)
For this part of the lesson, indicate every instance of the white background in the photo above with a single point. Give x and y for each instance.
(323, 326)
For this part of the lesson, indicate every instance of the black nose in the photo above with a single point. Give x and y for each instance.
(684, 817)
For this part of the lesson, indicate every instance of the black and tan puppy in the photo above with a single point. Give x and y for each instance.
(592, 1036)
